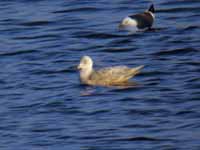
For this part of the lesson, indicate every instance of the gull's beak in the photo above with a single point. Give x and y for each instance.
(120, 25)
(79, 67)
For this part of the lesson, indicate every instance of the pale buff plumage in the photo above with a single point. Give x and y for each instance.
(111, 76)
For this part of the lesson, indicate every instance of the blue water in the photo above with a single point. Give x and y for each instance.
(44, 106)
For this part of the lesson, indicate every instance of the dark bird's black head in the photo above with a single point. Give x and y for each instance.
(151, 8)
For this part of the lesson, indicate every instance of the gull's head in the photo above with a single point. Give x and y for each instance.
(127, 22)
(85, 63)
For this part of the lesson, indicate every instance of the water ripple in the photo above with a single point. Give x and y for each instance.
(36, 23)
(44, 104)
(84, 9)
(180, 51)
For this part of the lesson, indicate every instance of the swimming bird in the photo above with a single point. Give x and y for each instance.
(141, 21)
(110, 76)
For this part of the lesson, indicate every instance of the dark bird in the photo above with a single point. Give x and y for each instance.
(141, 21)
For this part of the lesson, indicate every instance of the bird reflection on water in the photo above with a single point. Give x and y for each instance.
(92, 90)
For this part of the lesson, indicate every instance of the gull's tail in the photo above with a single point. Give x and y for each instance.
(151, 8)
(136, 70)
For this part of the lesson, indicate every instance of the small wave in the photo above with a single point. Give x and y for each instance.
(184, 112)
(20, 52)
(64, 137)
(186, 126)
(116, 50)
(146, 112)
(85, 9)
(178, 10)
(42, 130)
(138, 126)
(191, 27)
(96, 35)
(181, 51)
(26, 107)
(191, 63)
(139, 138)
(47, 72)
(97, 112)
(196, 79)
(37, 37)
(154, 73)
(39, 88)
(180, 2)
(36, 23)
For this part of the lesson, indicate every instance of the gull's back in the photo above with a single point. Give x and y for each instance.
(113, 75)
(144, 20)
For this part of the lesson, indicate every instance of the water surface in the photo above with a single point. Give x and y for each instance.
(44, 106)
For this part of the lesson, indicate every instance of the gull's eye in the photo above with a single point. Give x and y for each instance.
(126, 22)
